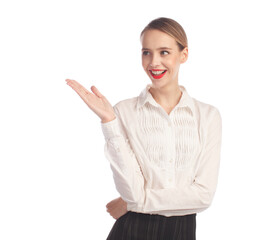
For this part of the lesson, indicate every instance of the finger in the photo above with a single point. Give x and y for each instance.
(114, 213)
(96, 91)
(112, 203)
(78, 87)
(109, 204)
(80, 90)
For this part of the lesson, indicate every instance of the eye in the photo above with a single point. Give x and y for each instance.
(164, 51)
(145, 53)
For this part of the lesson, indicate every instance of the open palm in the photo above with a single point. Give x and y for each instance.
(95, 100)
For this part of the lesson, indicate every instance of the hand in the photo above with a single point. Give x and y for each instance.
(117, 208)
(95, 101)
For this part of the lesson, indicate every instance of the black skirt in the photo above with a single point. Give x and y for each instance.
(140, 226)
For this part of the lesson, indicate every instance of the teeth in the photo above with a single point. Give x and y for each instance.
(157, 72)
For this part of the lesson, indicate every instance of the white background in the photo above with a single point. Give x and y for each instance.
(54, 178)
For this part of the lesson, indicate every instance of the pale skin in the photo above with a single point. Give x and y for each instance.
(165, 91)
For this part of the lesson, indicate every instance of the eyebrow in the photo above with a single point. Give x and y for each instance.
(157, 48)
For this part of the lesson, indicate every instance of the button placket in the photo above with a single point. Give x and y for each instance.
(169, 177)
(171, 160)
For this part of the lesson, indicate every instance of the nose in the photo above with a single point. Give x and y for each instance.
(155, 61)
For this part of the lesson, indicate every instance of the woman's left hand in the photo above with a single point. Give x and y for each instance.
(117, 208)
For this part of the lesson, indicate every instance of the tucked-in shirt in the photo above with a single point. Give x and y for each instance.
(162, 163)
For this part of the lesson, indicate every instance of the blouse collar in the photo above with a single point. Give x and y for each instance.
(145, 96)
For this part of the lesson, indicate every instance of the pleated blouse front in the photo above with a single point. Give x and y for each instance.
(164, 164)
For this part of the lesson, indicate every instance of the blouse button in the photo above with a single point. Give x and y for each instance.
(169, 124)
(171, 160)
(169, 179)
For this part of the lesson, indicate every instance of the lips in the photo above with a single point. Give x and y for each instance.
(157, 76)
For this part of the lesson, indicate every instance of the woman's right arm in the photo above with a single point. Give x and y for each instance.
(127, 174)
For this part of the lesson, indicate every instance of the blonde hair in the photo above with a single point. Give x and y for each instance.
(170, 27)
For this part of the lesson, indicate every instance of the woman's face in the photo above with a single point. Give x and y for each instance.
(161, 57)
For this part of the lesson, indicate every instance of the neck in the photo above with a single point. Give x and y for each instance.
(169, 96)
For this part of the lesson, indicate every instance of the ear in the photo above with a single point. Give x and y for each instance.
(184, 54)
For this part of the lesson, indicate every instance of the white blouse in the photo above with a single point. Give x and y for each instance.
(164, 164)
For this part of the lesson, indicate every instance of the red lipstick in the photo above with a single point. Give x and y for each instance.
(157, 76)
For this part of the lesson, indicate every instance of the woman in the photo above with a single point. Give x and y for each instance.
(163, 145)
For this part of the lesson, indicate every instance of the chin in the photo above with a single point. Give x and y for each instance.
(158, 83)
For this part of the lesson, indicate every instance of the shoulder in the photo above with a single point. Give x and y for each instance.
(125, 104)
(126, 109)
(206, 111)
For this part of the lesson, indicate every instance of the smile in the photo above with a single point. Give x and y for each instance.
(157, 74)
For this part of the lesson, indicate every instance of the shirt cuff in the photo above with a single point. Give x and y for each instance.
(111, 129)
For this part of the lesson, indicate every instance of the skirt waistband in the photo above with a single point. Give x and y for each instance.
(162, 216)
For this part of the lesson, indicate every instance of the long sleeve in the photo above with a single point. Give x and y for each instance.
(127, 173)
(200, 193)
